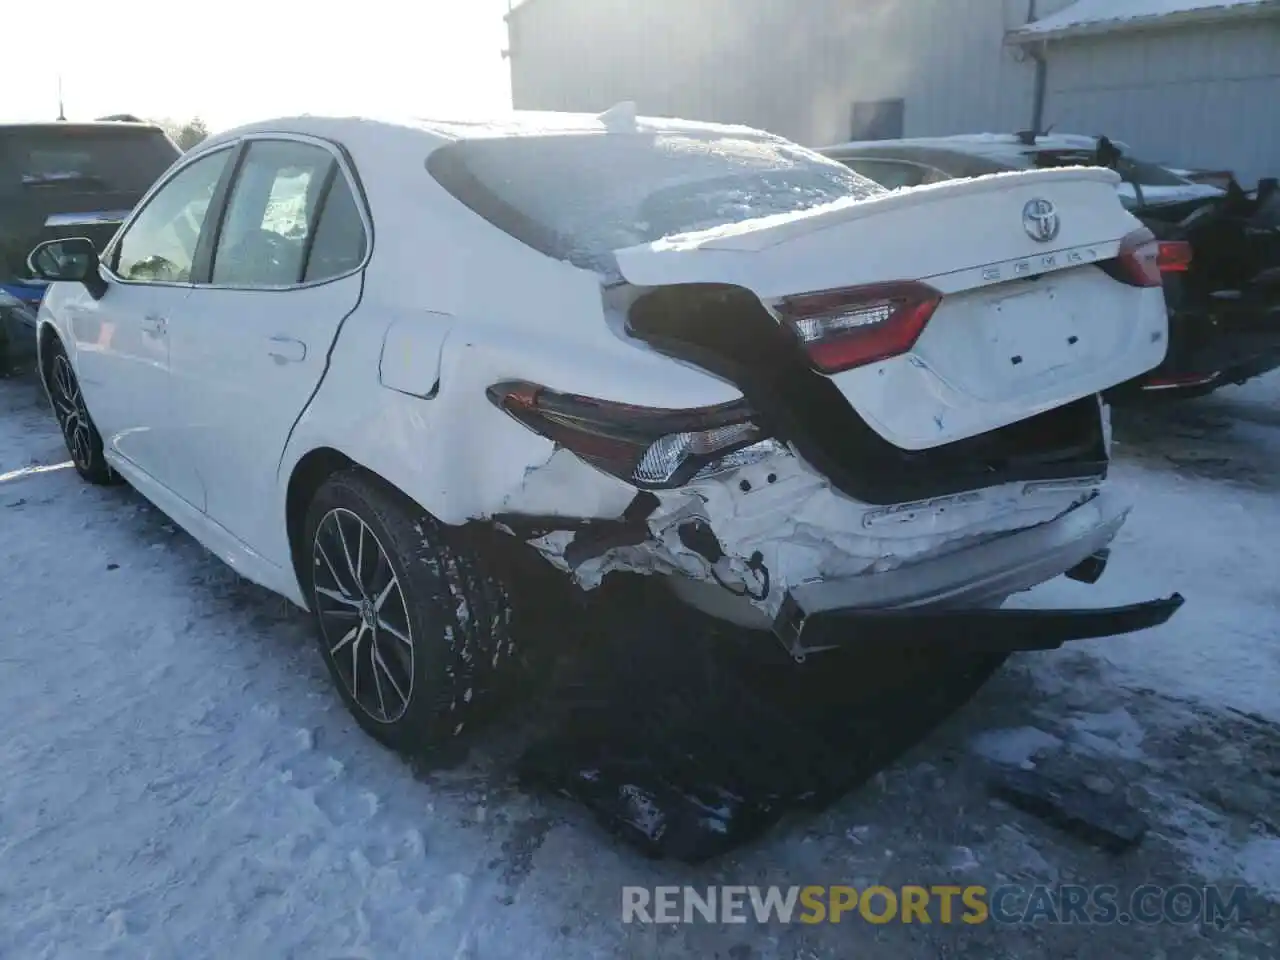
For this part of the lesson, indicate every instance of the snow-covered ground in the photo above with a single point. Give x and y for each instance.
(179, 780)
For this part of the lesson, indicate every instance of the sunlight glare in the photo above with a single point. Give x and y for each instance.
(24, 472)
(255, 60)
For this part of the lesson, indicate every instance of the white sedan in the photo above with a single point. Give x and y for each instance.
(374, 365)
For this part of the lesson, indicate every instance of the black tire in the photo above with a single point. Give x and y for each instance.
(427, 610)
(83, 441)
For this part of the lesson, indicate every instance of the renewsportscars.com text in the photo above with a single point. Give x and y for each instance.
(943, 904)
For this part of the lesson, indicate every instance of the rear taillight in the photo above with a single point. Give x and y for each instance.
(1139, 259)
(646, 446)
(851, 327)
(1175, 256)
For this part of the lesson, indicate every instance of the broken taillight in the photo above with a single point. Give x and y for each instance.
(646, 446)
(1175, 256)
(851, 327)
(1139, 260)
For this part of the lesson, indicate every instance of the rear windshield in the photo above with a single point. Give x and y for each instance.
(100, 159)
(579, 197)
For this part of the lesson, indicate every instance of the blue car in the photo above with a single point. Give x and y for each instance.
(18, 305)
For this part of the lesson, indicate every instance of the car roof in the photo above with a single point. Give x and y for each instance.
(8, 126)
(367, 129)
(991, 146)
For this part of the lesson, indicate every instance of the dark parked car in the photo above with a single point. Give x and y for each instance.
(63, 179)
(1220, 248)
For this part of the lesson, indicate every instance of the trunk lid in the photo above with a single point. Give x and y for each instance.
(1027, 321)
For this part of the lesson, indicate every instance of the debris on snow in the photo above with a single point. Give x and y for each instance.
(962, 860)
(1017, 747)
(1107, 822)
(1115, 733)
(1259, 865)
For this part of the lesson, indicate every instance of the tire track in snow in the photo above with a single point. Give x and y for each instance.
(186, 815)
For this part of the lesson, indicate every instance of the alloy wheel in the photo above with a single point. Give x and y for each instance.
(363, 616)
(72, 416)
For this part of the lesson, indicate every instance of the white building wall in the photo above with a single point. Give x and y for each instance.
(795, 68)
(1199, 96)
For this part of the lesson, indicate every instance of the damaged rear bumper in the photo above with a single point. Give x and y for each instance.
(972, 631)
(982, 575)
(954, 599)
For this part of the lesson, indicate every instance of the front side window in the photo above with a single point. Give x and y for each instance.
(270, 214)
(160, 244)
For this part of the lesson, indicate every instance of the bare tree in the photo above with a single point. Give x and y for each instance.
(185, 135)
(192, 133)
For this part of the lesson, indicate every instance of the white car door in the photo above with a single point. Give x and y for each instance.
(121, 341)
(249, 352)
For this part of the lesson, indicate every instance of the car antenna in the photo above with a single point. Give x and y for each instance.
(1028, 138)
(62, 114)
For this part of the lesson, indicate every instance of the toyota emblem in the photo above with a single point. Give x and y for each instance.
(1040, 220)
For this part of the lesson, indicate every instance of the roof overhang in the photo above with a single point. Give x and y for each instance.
(1087, 18)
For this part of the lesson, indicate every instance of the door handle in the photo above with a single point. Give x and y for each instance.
(155, 324)
(287, 350)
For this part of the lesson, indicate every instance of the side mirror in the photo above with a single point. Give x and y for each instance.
(75, 259)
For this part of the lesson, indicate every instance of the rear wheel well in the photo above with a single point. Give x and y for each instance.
(536, 585)
(309, 473)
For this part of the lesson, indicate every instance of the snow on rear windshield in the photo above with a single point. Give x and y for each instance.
(579, 197)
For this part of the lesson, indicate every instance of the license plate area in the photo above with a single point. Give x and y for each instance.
(1034, 332)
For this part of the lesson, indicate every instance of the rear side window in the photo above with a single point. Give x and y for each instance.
(83, 159)
(340, 243)
(265, 233)
(579, 197)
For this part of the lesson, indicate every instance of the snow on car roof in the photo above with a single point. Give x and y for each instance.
(1086, 16)
(516, 123)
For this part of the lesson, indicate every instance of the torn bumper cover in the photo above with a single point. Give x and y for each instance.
(976, 631)
(772, 546)
(954, 600)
